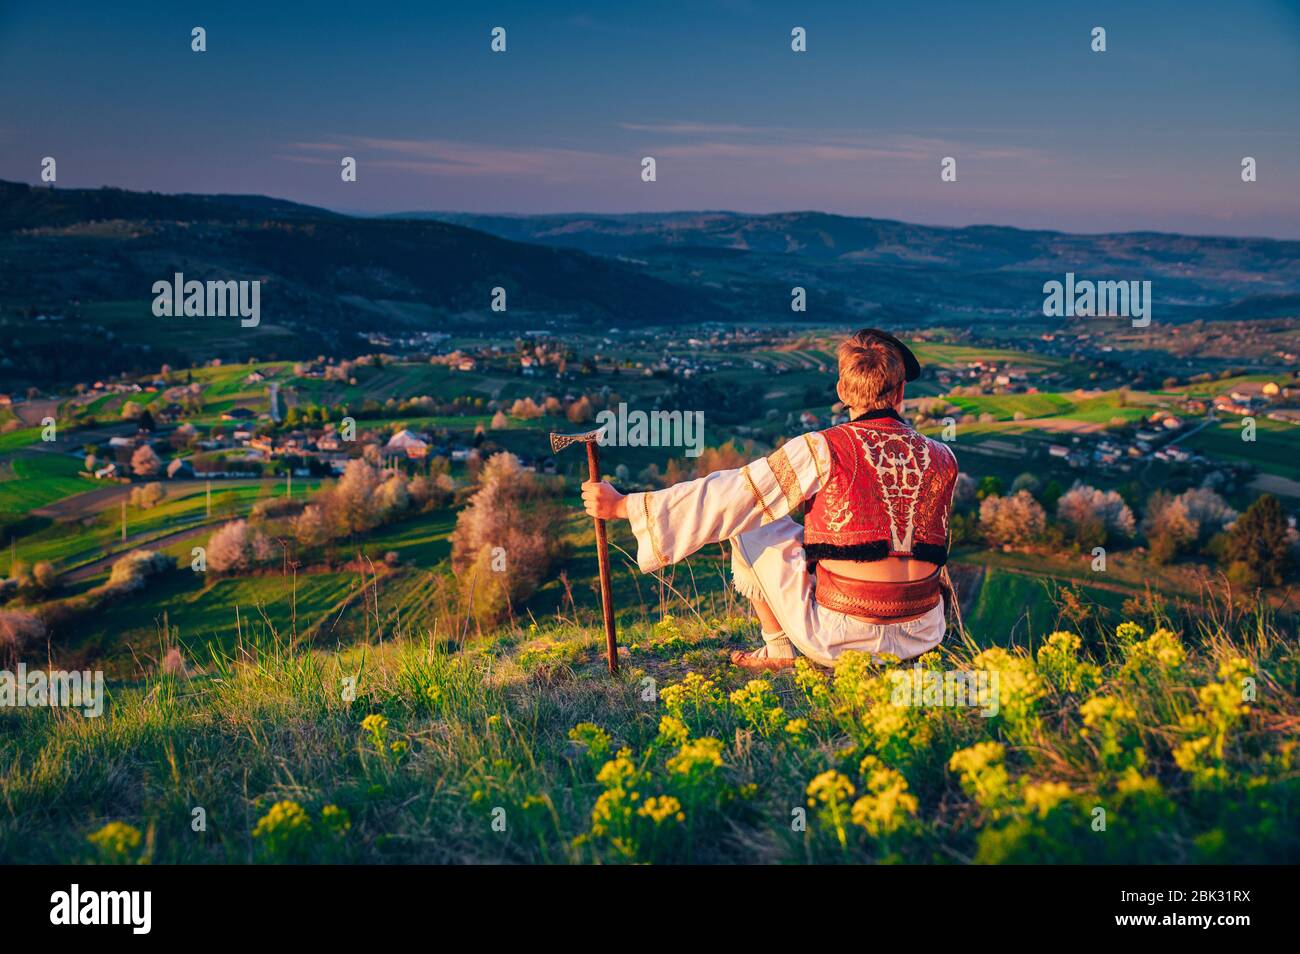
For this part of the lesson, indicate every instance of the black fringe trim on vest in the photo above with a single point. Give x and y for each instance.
(931, 553)
(873, 552)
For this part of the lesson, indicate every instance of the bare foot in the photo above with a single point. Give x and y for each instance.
(759, 661)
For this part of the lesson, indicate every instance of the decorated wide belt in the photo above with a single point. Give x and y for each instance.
(877, 600)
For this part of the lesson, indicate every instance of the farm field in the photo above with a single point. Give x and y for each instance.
(1276, 448)
(29, 481)
(70, 546)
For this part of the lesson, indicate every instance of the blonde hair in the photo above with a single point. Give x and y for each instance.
(870, 369)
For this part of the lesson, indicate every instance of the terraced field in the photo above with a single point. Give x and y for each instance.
(199, 617)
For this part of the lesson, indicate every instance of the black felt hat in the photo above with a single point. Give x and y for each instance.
(911, 367)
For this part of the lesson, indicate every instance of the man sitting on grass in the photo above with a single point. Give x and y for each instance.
(864, 572)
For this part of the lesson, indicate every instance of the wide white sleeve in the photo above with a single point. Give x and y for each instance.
(673, 523)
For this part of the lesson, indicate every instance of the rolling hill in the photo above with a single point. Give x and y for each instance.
(1231, 266)
(78, 265)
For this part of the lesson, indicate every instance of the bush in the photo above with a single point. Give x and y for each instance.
(236, 547)
(1015, 521)
(147, 495)
(505, 539)
(1092, 516)
(311, 528)
(351, 503)
(131, 571)
(144, 462)
(1177, 524)
(19, 633)
(276, 508)
(1257, 549)
(45, 577)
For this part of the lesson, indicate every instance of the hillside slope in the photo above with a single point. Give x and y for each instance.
(90, 257)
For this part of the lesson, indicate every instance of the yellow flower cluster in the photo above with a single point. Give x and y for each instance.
(335, 820)
(1221, 707)
(593, 739)
(673, 731)
(829, 793)
(984, 774)
(1058, 661)
(828, 788)
(628, 827)
(284, 828)
(1162, 653)
(620, 771)
(668, 635)
(812, 683)
(858, 681)
(1111, 723)
(661, 808)
(898, 732)
(1128, 632)
(694, 691)
(697, 757)
(115, 842)
(888, 805)
(1019, 686)
(1042, 797)
(758, 705)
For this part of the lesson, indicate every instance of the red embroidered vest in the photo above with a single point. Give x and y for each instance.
(888, 493)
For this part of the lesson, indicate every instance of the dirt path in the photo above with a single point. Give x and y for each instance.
(83, 504)
(1276, 484)
(31, 413)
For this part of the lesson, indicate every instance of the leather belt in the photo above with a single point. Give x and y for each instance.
(877, 600)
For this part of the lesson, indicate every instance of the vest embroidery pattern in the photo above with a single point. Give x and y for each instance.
(899, 462)
(888, 493)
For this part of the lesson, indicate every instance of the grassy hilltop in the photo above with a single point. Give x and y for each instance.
(516, 747)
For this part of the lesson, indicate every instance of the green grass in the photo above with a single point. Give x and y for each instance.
(423, 540)
(69, 545)
(1011, 606)
(16, 439)
(1004, 407)
(524, 726)
(1205, 389)
(36, 480)
(950, 355)
(208, 617)
(1276, 448)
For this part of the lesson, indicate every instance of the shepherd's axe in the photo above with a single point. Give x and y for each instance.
(558, 443)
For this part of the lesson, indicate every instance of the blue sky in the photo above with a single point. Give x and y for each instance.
(1046, 133)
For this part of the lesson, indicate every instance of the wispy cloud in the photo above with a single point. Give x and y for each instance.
(451, 157)
(795, 146)
(729, 143)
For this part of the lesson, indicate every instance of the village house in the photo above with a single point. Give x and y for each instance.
(404, 442)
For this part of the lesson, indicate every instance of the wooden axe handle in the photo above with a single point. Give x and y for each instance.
(602, 559)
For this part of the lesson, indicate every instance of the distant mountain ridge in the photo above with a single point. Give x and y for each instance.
(86, 259)
(326, 277)
(1234, 266)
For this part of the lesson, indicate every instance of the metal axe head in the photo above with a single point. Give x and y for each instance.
(561, 441)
